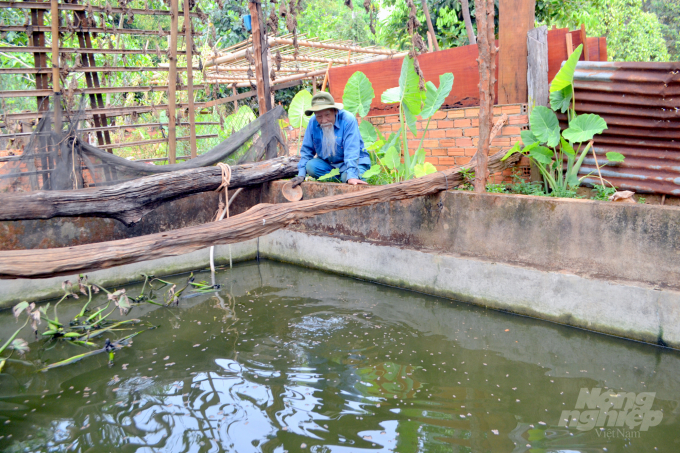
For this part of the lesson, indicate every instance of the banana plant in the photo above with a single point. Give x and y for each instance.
(548, 147)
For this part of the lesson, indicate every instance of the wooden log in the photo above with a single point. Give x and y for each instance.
(257, 221)
(131, 200)
(261, 63)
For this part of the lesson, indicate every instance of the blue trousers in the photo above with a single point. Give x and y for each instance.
(318, 167)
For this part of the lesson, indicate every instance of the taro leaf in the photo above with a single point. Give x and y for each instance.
(333, 173)
(373, 171)
(566, 147)
(565, 76)
(391, 159)
(408, 92)
(584, 128)
(368, 133)
(613, 156)
(515, 149)
(410, 119)
(528, 138)
(560, 100)
(424, 169)
(296, 112)
(358, 94)
(391, 96)
(545, 126)
(542, 155)
(435, 97)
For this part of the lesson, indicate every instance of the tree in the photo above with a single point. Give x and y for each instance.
(632, 34)
(668, 13)
(332, 19)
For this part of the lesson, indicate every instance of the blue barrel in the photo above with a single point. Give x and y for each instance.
(247, 22)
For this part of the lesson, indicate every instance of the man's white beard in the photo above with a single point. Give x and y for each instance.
(328, 147)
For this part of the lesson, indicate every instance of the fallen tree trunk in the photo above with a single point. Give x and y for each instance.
(257, 221)
(131, 200)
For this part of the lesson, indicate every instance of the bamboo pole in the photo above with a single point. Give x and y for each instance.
(55, 64)
(188, 38)
(172, 82)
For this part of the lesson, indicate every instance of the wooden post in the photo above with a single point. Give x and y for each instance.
(325, 77)
(188, 39)
(538, 87)
(54, 7)
(516, 18)
(486, 44)
(261, 63)
(429, 25)
(584, 40)
(172, 82)
(235, 100)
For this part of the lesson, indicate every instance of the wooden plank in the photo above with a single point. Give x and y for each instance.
(172, 81)
(584, 40)
(516, 18)
(257, 221)
(537, 67)
(110, 31)
(461, 61)
(603, 48)
(189, 43)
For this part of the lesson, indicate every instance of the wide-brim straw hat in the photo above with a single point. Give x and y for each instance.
(322, 101)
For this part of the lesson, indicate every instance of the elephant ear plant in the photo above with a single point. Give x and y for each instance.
(559, 156)
(392, 161)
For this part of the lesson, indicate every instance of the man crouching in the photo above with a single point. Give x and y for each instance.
(333, 137)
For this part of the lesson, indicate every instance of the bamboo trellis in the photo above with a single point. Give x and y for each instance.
(310, 58)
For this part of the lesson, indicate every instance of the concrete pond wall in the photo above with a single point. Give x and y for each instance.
(605, 267)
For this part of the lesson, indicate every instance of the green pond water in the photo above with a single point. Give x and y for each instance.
(290, 359)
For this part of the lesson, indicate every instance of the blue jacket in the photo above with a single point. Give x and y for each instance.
(350, 151)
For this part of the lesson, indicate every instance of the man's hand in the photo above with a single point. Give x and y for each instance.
(296, 181)
(355, 181)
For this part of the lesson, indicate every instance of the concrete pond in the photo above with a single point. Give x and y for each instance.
(287, 356)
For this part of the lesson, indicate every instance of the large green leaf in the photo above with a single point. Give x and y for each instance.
(515, 149)
(391, 96)
(528, 138)
(358, 94)
(373, 171)
(410, 119)
(566, 147)
(544, 125)
(539, 155)
(331, 174)
(584, 128)
(560, 100)
(565, 76)
(408, 92)
(368, 132)
(391, 159)
(424, 169)
(434, 97)
(296, 112)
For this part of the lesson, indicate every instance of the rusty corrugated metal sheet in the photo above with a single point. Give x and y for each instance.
(641, 104)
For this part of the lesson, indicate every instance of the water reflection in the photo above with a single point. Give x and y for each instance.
(288, 359)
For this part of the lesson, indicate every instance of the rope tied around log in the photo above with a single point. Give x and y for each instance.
(223, 207)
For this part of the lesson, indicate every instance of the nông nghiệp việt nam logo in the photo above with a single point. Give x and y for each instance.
(597, 409)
